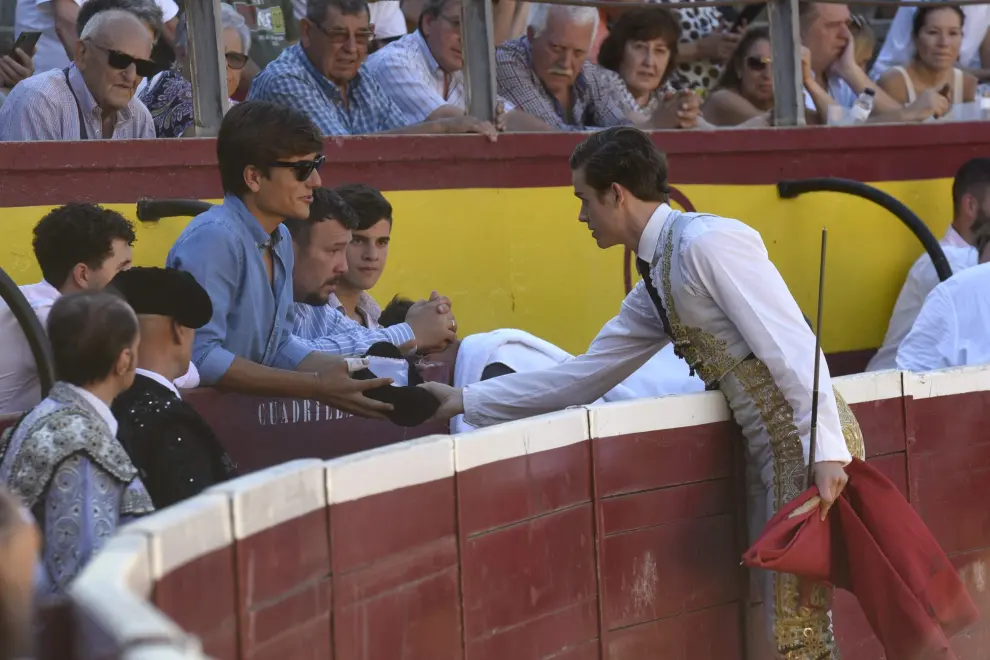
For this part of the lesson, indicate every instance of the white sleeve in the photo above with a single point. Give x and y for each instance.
(623, 346)
(931, 344)
(733, 267)
(388, 19)
(169, 9)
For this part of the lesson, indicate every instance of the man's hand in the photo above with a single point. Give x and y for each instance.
(336, 388)
(451, 399)
(433, 323)
(469, 124)
(831, 478)
(15, 69)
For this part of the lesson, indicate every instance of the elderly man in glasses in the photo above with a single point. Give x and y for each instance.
(92, 98)
(324, 77)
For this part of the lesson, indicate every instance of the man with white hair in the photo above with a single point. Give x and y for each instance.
(92, 98)
(546, 73)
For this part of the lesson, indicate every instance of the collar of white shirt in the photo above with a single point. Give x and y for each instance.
(100, 407)
(651, 234)
(953, 238)
(41, 294)
(160, 379)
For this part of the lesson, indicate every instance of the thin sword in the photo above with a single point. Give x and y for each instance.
(813, 438)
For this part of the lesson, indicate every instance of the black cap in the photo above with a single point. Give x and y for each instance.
(165, 292)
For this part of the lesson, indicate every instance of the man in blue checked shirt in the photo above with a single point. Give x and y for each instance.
(323, 263)
(324, 77)
(240, 252)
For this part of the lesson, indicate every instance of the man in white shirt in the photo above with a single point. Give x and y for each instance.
(711, 288)
(825, 33)
(79, 247)
(952, 327)
(93, 98)
(970, 200)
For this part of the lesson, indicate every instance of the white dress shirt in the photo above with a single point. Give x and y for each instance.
(951, 330)
(728, 288)
(954, 238)
(898, 47)
(160, 379)
(920, 281)
(99, 405)
(20, 389)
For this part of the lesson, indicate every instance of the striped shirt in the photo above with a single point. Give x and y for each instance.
(410, 74)
(42, 107)
(292, 80)
(327, 328)
(594, 106)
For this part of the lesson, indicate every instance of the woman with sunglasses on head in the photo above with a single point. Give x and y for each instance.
(638, 56)
(169, 94)
(937, 35)
(745, 90)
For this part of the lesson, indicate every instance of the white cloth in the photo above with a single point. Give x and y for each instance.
(920, 281)
(727, 288)
(664, 374)
(39, 16)
(169, 9)
(188, 380)
(957, 85)
(951, 330)
(898, 48)
(20, 389)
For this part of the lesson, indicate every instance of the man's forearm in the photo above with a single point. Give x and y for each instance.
(246, 377)
(66, 13)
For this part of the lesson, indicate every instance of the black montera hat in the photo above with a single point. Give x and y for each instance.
(165, 292)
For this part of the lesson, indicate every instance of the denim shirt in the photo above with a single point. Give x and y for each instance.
(223, 249)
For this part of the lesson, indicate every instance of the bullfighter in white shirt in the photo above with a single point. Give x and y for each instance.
(712, 289)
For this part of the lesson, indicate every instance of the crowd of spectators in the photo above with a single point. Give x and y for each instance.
(358, 68)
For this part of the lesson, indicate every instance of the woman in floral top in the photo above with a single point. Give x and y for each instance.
(168, 95)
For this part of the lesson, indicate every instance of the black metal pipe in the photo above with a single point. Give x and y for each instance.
(37, 338)
(796, 187)
(153, 210)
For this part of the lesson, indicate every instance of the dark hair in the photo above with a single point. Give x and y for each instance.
(77, 234)
(645, 24)
(433, 9)
(259, 133)
(972, 178)
(395, 312)
(368, 203)
(626, 156)
(327, 205)
(316, 10)
(88, 330)
(731, 78)
(147, 11)
(921, 15)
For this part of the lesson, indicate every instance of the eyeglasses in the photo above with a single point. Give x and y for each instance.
(303, 169)
(340, 36)
(236, 61)
(120, 61)
(453, 21)
(757, 63)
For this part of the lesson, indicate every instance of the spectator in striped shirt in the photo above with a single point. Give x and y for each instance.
(338, 227)
(423, 71)
(92, 98)
(324, 77)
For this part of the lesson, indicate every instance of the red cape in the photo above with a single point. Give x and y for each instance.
(874, 545)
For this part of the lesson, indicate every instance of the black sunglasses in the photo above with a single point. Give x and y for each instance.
(757, 63)
(120, 61)
(236, 61)
(303, 169)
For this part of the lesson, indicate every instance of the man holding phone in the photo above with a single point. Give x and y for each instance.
(18, 63)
